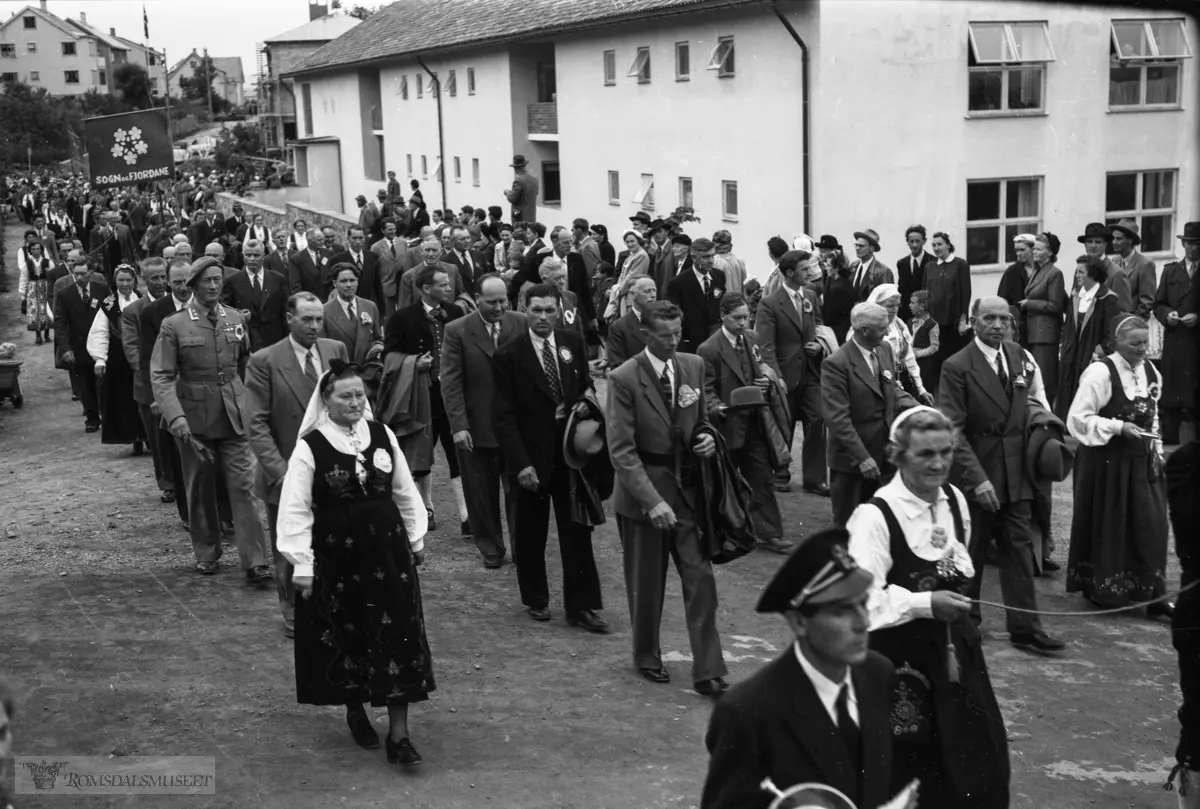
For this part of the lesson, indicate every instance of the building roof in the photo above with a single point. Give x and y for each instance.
(417, 27)
(57, 22)
(112, 42)
(231, 66)
(322, 29)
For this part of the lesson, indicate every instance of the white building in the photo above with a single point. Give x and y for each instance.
(228, 79)
(773, 117)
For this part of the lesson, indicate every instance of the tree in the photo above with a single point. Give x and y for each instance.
(197, 86)
(235, 143)
(361, 12)
(132, 83)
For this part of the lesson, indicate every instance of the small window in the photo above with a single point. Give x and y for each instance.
(437, 170)
(551, 184)
(729, 200)
(457, 170)
(403, 90)
(470, 81)
(452, 84)
(424, 167)
(645, 193)
(7, 77)
(722, 57)
(104, 77)
(193, 64)
(95, 78)
(31, 47)
(997, 211)
(35, 75)
(306, 100)
(1146, 68)
(1148, 198)
(685, 192)
(1006, 65)
(641, 66)
(408, 164)
(614, 188)
(475, 171)
(610, 68)
(68, 49)
(683, 61)
(153, 59)
(30, 23)
(8, 50)
(71, 76)
(420, 85)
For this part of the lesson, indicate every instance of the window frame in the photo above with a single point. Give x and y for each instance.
(723, 63)
(644, 196)
(102, 77)
(73, 46)
(11, 53)
(67, 77)
(1023, 224)
(546, 168)
(1143, 64)
(26, 22)
(640, 68)
(420, 85)
(685, 48)
(10, 76)
(35, 75)
(609, 67)
(614, 187)
(457, 169)
(1007, 68)
(402, 90)
(452, 84)
(726, 186)
(475, 171)
(408, 164)
(31, 47)
(424, 167)
(1148, 33)
(1139, 212)
(470, 81)
(687, 199)
(307, 105)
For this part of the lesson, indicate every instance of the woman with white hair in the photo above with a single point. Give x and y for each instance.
(635, 265)
(901, 341)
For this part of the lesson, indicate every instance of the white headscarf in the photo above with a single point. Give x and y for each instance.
(882, 292)
(316, 415)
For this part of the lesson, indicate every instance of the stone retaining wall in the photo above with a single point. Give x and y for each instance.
(284, 217)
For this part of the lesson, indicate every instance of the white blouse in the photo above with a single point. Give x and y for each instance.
(294, 525)
(870, 545)
(1095, 391)
(97, 339)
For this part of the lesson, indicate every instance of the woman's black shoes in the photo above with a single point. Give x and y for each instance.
(364, 732)
(402, 753)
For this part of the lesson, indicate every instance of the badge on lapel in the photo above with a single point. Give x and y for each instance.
(886, 374)
(95, 303)
(1154, 391)
(569, 316)
(756, 353)
(565, 355)
(807, 306)
(688, 396)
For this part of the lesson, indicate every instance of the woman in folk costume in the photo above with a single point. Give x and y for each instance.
(901, 340)
(353, 523)
(120, 421)
(1087, 335)
(1119, 528)
(947, 729)
(34, 291)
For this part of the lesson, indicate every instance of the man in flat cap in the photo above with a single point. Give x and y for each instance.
(821, 712)
(1143, 279)
(866, 271)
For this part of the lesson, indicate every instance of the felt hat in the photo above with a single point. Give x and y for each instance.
(746, 398)
(681, 238)
(1095, 230)
(828, 242)
(519, 161)
(659, 223)
(641, 216)
(1191, 232)
(1129, 228)
(722, 237)
(868, 234)
(583, 438)
(1047, 455)
(820, 571)
(600, 230)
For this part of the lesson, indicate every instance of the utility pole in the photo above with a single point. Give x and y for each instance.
(208, 73)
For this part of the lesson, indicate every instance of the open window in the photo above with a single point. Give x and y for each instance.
(1007, 67)
(645, 193)
(1146, 63)
(722, 57)
(641, 66)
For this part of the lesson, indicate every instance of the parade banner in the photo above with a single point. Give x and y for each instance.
(130, 148)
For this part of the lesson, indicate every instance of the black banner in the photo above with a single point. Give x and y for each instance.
(130, 148)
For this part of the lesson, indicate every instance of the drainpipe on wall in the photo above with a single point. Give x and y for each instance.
(804, 116)
(437, 88)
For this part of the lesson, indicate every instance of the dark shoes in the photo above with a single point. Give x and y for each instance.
(658, 675)
(465, 528)
(1161, 609)
(493, 562)
(1049, 566)
(168, 496)
(402, 753)
(289, 627)
(712, 688)
(775, 545)
(362, 729)
(1036, 642)
(589, 620)
(817, 488)
(783, 486)
(258, 573)
(227, 529)
(137, 449)
(91, 426)
(539, 613)
(432, 520)
(207, 568)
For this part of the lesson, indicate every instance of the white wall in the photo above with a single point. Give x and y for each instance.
(335, 111)
(48, 60)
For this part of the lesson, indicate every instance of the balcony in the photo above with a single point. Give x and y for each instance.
(543, 121)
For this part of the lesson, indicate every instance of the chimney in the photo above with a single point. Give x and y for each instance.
(44, 6)
(317, 9)
(82, 17)
(112, 31)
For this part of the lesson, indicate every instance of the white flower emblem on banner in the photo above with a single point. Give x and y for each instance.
(128, 145)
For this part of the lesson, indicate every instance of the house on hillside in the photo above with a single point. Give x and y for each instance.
(119, 50)
(228, 79)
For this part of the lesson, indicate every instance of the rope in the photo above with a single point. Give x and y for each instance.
(1090, 613)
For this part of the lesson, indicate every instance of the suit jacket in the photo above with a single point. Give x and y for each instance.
(358, 337)
(700, 314)
(1046, 300)
(879, 273)
(1143, 282)
(277, 394)
(370, 282)
(579, 282)
(773, 725)
(304, 275)
(150, 318)
(639, 419)
(131, 341)
(199, 234)
(723, 372)
(525, 411)
(910, 278)
(1118, 282)
(529, 270)
(783, 332)
(589, 251)
(233, 226)
(268, 310)
(859, 406)
(277, 261)
(467, 374)
(126, 243)
(663, 268)
(523, 197)
(409, 331)
(389, 271)
(73, 318)
(409, 294)
(624, 338)
(468, 273)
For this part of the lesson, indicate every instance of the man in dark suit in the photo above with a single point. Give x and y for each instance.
(786, 325)
(867, 271)
(468, 262)
(662, 256)
(732, 360)
(430, 251)
(236, 222)
(277, 258)
(1177, 307)
(860, 396)
(200, 232)
(625, 335)
(821, 712)
(910, 270)
(541, 375)
(987, 390)
(309, 269)
(698, 296)
(419, 329)
(524, 192)
(370, 278)
(655, 405)
(260, 295)
(105, 247)
(278, 389)
(75, 308)
(467, 391)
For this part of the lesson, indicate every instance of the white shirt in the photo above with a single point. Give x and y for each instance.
(97, 338)
(870, 545)
(1085, 298)
(539, 345)
(357, 258)
(827, 690)
(256, 276)
(797, 297)
(295, 521)
(346, 304)
(465, 258)
(658, 366)
(702, 277)
(178, 304)
(1037, 391)
(1095, 391)
(302, 355)
(733, 340)
(872, 359)
(864, 267)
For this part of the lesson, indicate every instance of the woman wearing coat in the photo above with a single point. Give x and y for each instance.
(1042, 309)
(636, 264)
(350, 319)
(1088, 334)
(948, 282)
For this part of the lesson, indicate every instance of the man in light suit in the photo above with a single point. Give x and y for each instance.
(370, 279)
(389, 250)
(860, 397)
(351, 319)
(625, 335)
(260, 295)
(866, 271)
(786, 325)
(654, 448)
(468, 346)
(431, 253)
(308, 269)
(278, 388)
(1143, 281)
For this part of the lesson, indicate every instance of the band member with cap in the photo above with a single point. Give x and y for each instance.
(821, 711)
(946, 727)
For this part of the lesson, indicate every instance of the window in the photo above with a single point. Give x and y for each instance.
(71, 76)
(997, 211)
(306, 99)
(408, 164)
(6, 77)
(31, 47)
(68, 48)
(420, 85)
(614, 188)
(403, 90)
(645, 193)
(683, 61)
(30, 23)
(1145, 66)
(452, 84)
(193, 64)
(424, 168)
(95, 78)
(437, 170)
(685, 192)
(547, 83)
(1148, 198)
(722, 58)
(8, 50)
(35, 75)
(375, 168)
(729, 201)
(551, 184)
(475, 171)
(104, 77)
(470, 81)
(1006, 65)
(610, 68)
(457, 170)
(152, 59)
(641, 66)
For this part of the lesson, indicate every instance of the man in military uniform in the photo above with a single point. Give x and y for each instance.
(195, 373)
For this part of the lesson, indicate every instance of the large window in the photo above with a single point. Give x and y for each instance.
(614, 188)
(551, 184)
(306, 98)
(729, 200)
(8, 50)
(683, 61)
(645, 193)
(998, 211)
(1146, 64)
(685, 192)
(610, 68)
(7, 77)
(1006, 65)
(68, 48)
(641, 66)
(1148, 198)
(722, 58)
(71, 76)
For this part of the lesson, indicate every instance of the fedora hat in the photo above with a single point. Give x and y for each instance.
(1129, 228)
(747, 398)
(1191, 232)
(828, 242)
(519, 161)
(869, 235)
(1048, 456)
(1095, 230)
(583, 438)
(659, 223)
(641, 216)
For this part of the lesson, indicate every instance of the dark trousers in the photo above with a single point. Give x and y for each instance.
(162, 469)
(751, 461)
(202, 481)
(1172, 421)
(441, 428)
(483, 477)
(647, 551)
(283, 568)
(83, 378)
(847, 492)
(1011, 528)
(805, 403)
(170, 453)
(581, 581)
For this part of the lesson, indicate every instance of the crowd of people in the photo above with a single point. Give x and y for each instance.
(318, 368)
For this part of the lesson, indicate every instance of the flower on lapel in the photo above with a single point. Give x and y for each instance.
(95, 303)
(1029, 369)
(569, 316)
(1020, 382)
(807, 306)
(365, 317)
(1155, 391)
(887, 375)
(324, 261)
(109, 301)
(565, 354)
(756, 353)
(717, 292)
(688, 396)
(382, 461)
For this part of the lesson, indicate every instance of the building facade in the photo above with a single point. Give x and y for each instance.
(778, 118)
(44, 50)
(228, 79)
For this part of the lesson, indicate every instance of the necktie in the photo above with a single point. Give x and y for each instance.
(495, 330)
(1000, 372)
(212, 317)
(874, 364)
(350, 311)
(707, 286)
(550, 366)
(665, 380)
(392, 247)
(257, 284)
(83, 293)
(849, 730)
(310, 370)
(358, 261)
